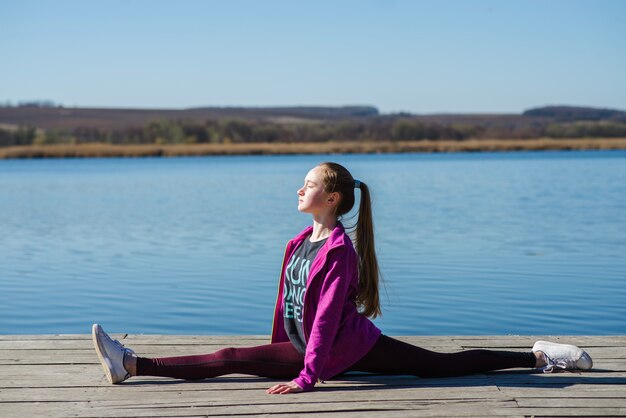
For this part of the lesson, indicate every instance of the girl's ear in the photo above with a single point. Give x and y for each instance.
(333, 198)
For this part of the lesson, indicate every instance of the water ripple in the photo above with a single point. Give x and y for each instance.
(529, 243)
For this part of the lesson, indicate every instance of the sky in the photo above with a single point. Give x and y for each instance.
(445, 56)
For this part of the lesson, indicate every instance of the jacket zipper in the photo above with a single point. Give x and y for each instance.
(304, 328)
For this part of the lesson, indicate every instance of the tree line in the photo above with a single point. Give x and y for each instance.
(383, 128)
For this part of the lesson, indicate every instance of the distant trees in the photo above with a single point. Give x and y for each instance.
(377, 128)
(23, 135)
(31, 103)
(407, 130)
(586, 130)
(412, 130)
(576, 113)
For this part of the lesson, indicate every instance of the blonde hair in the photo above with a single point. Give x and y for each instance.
(337, 178)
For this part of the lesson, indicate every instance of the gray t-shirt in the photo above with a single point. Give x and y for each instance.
(296, 276)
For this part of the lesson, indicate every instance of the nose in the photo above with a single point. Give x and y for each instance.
(300, 191)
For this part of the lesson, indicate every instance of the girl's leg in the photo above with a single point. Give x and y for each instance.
(390, 356)
(280, 360)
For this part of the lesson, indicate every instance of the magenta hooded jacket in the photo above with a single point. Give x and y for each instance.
(336, 334)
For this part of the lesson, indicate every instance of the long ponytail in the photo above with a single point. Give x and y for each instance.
(369, 274)
(338, 179)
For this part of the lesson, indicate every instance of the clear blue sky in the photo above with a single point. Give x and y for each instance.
(419, 56)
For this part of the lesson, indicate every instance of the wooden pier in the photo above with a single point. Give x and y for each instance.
(59, 375)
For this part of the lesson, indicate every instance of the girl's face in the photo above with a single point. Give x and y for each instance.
(312, 198)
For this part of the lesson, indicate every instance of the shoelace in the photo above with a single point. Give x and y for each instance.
(118, 344)
(562, 363)
(125, 350)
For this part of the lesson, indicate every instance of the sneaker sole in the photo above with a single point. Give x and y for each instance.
(103, 362)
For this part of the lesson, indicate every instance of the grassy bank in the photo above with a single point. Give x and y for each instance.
(109, 150)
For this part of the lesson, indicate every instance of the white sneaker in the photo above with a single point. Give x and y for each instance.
(563, 356)
(111, 354)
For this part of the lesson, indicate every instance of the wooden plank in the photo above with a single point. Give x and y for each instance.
(594, 412)
(169, 341)
(588, 402)
(523, 342)
(231, 392)
(281, 405)
(60, 376)
(410, 409)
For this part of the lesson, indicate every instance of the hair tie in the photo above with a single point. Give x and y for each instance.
(357, 184)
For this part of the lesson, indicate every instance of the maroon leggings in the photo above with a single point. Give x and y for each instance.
(282, 360)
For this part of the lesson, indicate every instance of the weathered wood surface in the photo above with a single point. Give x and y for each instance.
(59, 375)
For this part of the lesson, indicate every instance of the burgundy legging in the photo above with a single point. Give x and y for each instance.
(282, 360)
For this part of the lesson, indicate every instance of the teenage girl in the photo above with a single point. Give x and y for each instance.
(328, 289)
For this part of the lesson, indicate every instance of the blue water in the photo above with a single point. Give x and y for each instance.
(487, 243)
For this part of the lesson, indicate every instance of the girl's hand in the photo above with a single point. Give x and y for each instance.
(284, 388)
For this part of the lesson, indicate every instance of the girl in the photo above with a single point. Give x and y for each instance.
(327, 291)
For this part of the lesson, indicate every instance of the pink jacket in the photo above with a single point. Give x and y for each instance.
(336, 334)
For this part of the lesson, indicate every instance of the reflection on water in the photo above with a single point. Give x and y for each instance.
(503, 243)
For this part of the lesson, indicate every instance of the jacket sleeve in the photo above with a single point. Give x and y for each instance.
(333, 294)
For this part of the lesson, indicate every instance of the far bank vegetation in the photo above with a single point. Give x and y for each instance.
(357, 125)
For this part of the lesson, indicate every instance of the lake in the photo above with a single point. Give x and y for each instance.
(478, 243)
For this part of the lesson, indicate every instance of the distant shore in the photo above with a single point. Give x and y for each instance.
(425, 146)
